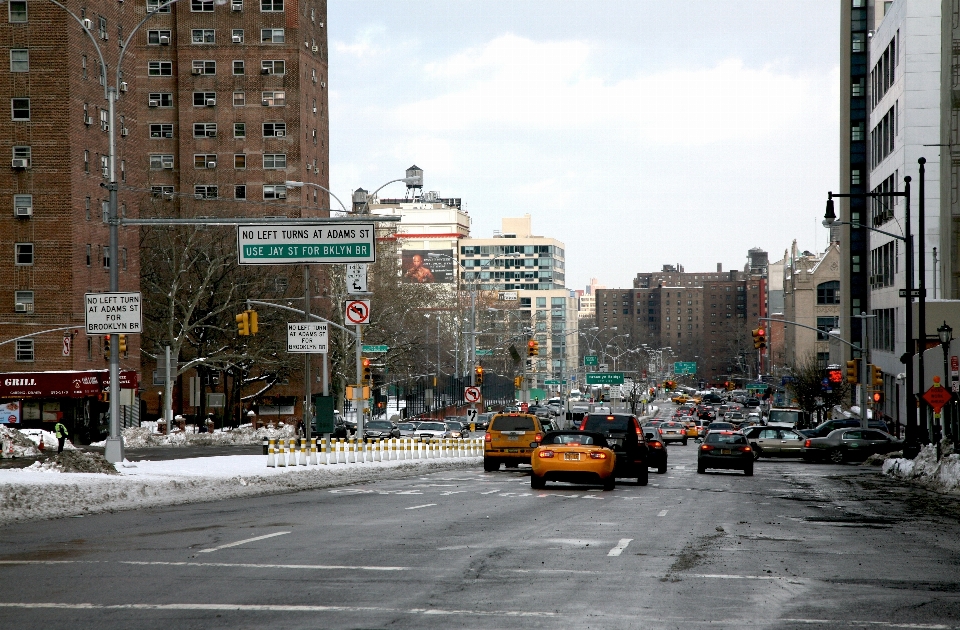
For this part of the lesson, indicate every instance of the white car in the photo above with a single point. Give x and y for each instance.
(432, 430)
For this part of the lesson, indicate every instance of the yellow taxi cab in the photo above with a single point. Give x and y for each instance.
(692, 430)
(680, 399)
(507, 440)
(574, 457)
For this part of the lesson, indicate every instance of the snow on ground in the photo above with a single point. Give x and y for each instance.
(146, 436)
(26, 442)
(43, 492)
(943, 475)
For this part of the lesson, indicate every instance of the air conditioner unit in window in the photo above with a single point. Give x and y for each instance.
(211, 102)
(20, 163)
(124, 132)
(266, 103)
(168, 196)
(150, 104)
(164, 40)
(237, 39)
(105, 127)
(123, 86)
(281, 195)
(87, 120)
(236, 6)
(321, 24)
(266, 71)
(167, 134)
(211, 165)
(316, 48)
(23, 211)
(280, 134)
(322, 84)
(314, 110)
(87, 24)
(211, 134)
(168, 165)
(197, 71)
(21, 307)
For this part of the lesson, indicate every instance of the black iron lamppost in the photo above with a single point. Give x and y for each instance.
(945, 333)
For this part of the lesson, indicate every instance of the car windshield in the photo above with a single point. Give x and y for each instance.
(786, 417)
(432, 426)
(454, 425)
(406, 426)
(606, 423)
(376, 424)
(726, 438)
(719, 426)
(574, 438)
(513, 423)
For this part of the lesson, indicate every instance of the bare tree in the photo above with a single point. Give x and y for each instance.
(806, 386)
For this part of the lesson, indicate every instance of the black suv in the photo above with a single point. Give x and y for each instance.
(824, 429)
(625, 438)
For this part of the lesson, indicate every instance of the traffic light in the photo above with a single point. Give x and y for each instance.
(252, 321)
(123, 344)
(878, 397)
(835, 376)
(533, 348)
(106, 347)
(367, 373)
(243, 323)
(876, 377)
(853, 371)
(759, 338)
(479, 379)
(517, 382)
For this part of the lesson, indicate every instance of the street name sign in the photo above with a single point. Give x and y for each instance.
(590, 359)
(113, 313)
(553, 381)
(286, 244)
(307, 337)
(604, 378)
(684, 367)
(374, 349)
(760, 387)
(507, 296)
(484, 353)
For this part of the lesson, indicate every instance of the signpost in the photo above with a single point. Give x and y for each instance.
(684, 367)
(113, 313)
(280, 244)
(375, 349)
(590, 359)
(604, 378)
(307, 337)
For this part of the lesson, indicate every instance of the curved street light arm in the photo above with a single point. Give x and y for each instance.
(855, 346)
(96, 46)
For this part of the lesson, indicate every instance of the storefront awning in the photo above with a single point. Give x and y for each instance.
(65, 384)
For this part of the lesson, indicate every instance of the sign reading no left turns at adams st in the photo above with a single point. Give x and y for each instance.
(282, 244)
(112, 313)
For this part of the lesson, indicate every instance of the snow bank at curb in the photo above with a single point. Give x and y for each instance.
(29, 495)
(145, 436)
(942, 476)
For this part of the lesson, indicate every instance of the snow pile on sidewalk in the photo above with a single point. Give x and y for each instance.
(26, 442)
(943, 475)
(144, 437)
(75, 461)
(40, 492)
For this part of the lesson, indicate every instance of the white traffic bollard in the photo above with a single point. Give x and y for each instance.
(313, 451)
(282, 457)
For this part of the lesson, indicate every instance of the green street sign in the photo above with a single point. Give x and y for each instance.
(553, 381)
(684, 367)
(374, 349)
(484, 353)
(590, 359)
(760, 387)
(604, 378)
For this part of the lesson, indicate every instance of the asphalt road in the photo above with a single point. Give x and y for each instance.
(795, 546)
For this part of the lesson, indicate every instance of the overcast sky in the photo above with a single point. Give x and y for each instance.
(639, 133)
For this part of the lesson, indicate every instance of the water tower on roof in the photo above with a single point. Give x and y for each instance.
(414, 181)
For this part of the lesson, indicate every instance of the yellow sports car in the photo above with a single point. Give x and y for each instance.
(573, 456)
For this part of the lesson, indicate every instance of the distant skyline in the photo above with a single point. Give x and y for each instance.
(639, 133)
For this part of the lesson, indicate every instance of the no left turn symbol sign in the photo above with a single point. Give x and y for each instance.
(471, 394)
(358, 312)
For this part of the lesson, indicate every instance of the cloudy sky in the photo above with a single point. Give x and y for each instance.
(639, 133)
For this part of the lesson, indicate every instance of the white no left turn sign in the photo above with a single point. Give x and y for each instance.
(358, 312)
(471, 394)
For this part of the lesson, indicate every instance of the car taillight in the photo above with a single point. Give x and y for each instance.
(544, 454)
(806, 444)
(659, 430)
(598, 455)
(583, 424)
(706, 447)
(745, 449)
(487, 437)
(655, 444)
(539, 437)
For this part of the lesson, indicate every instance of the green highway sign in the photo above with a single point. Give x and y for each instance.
(484, 353)
(285, 244)
(684, 367)
(757, 386)
(590, 359)
(604, 378)
(554, 381)
(374, 349)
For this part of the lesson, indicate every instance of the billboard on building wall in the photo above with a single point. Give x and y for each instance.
(428, 266)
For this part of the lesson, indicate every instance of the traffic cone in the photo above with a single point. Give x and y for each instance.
(42, 447)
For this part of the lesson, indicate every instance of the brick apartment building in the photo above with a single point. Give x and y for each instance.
(219, 104)
(702, 317)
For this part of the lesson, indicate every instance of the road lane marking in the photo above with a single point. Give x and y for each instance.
(243, 542)
(663, 512)
(417, 507)
(616, 551)
(316, 567)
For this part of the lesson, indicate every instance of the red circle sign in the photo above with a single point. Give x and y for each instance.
(358, 312)
(471, 394)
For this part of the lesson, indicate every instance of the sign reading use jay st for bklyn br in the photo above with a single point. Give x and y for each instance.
(278, 244)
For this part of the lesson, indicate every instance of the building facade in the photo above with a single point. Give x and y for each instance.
(811, 295)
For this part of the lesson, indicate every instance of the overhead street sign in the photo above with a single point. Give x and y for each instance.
(590, 359)
(285, 244)
(604, 378)
(554, 381)
(374, 349)
(685, 367)
(113, 313)
(307, 337)
(760, 387)
(358, 312)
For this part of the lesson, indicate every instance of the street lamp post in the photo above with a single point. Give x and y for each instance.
(912, 446)
(945, 333)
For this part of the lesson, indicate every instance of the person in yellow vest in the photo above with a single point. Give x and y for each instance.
(61, 432)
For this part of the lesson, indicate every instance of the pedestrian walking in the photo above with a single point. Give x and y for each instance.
(61, 432)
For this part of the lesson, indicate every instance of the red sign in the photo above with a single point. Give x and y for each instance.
(937, 397)
(66, 384)
(471, 394)
(358, 312)
(954, 364)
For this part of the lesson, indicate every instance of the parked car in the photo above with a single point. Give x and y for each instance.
(726, 450)
(845, 445)
(825, 428)
(380, 430)
(774, 442)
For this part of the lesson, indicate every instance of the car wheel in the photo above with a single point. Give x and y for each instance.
(490, 464)
(644, 477)
(748, 471)
(757, 453)
(701, 469)
(537, 482)
(609, 484)
(684, 441)
(836, 456)
(662, 469)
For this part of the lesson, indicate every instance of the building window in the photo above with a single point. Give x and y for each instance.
(237, 36)
(272, 66)
(828, 292)
(153, 6)
(274, 130)
(270, 5)
(205, 192)
(239, 160)
(105, 166)
(238, 67)
(205, 160)
(204, 99)
(272, 36)
(161, 161)
(17, 11)
(24, 346)
(275, 192)
(157, 38)
(239, 192)
(24, 154)
(23, 301)
(161, 130)
(274, 99)
(203, 66)
(204, 130)
(857, 132)
(21, 203)
(160, 68)
(23, 254)
(20, 108)
(274, 160)
(86, 161)
(20, 60)
(203, 35)
(201, 6)
(239, 99)
(164, 192)
(160, 99)
(825, 325)
(239, 130)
